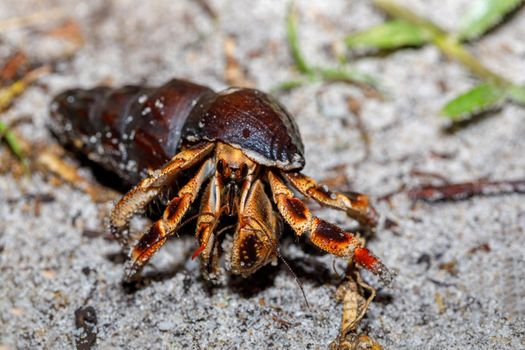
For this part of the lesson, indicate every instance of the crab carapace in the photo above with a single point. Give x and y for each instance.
(240, 147)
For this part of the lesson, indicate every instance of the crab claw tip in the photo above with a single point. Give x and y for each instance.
(363, 257)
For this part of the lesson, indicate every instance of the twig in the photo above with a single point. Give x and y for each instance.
(205, 6)
(8, 94)
(460, 191)
(429, 174)
(388, 196)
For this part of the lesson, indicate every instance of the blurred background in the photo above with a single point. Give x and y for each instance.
(398, 111)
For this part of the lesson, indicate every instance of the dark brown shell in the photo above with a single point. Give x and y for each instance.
(127, 130)
(252, 121)
(132, 129)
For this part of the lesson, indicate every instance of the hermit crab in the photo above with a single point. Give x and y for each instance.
(234, 157)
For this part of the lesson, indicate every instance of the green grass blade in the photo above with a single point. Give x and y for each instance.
(484, 15)
(293, 41)
(517, 94)
(474, 101)
(389, 35)
(12, 142)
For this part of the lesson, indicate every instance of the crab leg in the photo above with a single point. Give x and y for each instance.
(321, 233)
(152, 240)
(255, 240)
(207, 223)
(149, 188)
(356, 205)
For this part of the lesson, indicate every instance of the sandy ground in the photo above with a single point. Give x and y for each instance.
(460, 266)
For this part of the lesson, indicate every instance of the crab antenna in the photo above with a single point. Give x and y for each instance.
(339, 274)
(294, 276)
(260, 229)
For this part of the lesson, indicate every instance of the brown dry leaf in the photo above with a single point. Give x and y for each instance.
(350, 293)
(10, 164)
(354, 105)
(12, 66)
(51, 161)
(451, 267)
(233, 73)
(70, 31)
(440, 303)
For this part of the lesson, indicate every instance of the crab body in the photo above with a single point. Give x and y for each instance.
(239, 147)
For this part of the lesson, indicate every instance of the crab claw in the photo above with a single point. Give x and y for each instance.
(365, 258)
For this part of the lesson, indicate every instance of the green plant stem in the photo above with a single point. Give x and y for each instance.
(313, 73)
(448, 44)
(453, 49)
(293, 40)
(395, 10)
(13, 143)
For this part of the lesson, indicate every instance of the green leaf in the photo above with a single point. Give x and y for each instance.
(517, 94)
(474, 101)
(390, 35)
(293, 41)
(483, 15)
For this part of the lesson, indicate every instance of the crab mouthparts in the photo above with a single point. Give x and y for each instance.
(232, 191)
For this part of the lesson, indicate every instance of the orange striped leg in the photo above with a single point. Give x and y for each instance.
(323, 234)
(152, 240)
(149, 188)
(356, 205)
(210, 212)
(255, 240)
